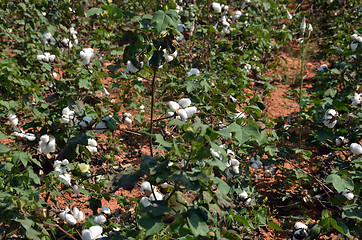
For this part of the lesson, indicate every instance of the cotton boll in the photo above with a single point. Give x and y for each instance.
(100, 219)
(78, 215)
(106, 210)
(101, 127)
(19, 134)
(173, 106)
(128, 121)
(30, 136)
(156, 196)
(357, 99)
(330, 118)
(322, 68)
(217, 7)
(87, 119)
(13, 119)
(243, 195)
(40, 57)
(51, 144)
(237, 15)
(170, 114)
(348, 194)
(87, 54)
(184, 102)
(215, 154)
(182, 114)
(130, 68)
(146, 187)
(145, 201)
(289, 16)
(354, 45)
(92, 233)
(190, 111)
(340, 141)
(193, 71)
(142, 108)
(70, 219)
(356, 148)
(303, 26)
(300, 225)
(300, 234)
(92, 142)
(66, 177)
(181, 27)
(52, 58)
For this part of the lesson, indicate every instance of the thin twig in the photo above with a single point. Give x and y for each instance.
(60, 228)
(152, 105)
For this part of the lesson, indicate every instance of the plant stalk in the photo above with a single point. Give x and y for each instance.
(301, 94)
(152, 105)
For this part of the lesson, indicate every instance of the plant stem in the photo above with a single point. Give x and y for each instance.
(301, 94)
(152, 105)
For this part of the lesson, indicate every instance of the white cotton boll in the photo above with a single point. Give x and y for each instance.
(300, 225)
(214, 153)
(248, 201)
(67, 178)
(63, 213)
(243, 195)
(359, 39)
(51, 58)
(47, 35)
(19, 134)
(237, 15)
(230, 153)
(173, 106)
(87, 54)
(95, 232)
(354, 45)
(53, 41)
(76, 189)
(92, 142)
(228, 173)
(303, 26)
(146, 187)
(13, 119)
(356, 148)
(180, 38)
(100, 219)
(330, 124)
(106, 210)
(86, 235)
(193, 71)
(51, 144)
(142, 108)
(340, 141)
(92, 149)
(78, 215)
(330, 118)
(67, 111)
(190, 111)
(130, 68)
(348, 194)
(30, 136)
(322, 68)
(357, 99)
(224, 21)
(184, 102)
(289, 16)
(156, 196)
(354, 37)
(182, 114)
(128, 121)
(45, 138)
(40, 57)
(181, 27)
(170, 114)
(329, 1)
(69, 218)
(54, 75)
(217, 7)
(126, 114)
(255, 166)
(145, 201)
(235, 169)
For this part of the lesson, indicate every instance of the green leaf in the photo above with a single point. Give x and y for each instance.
(352, 211)
(126, 179)
(197, 225)
(111, 124)
(85, 83)
(274, 226)
(4, 148)
(314, 231)
(340, 184)
(160, 140)
(162, 20)
(151, 224)
(93, 11)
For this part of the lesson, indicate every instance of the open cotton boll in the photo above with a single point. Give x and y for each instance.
(354, 37)
(357, 99)
(63, 213)
(146, 187)
(237, 15)
(87, 54)
(330, 118)
(78, 215)
(340, 141)
(19, 134)
(215, 154)
(66, 178)
(92, 145)
(300, 225)
(13, 119)
(131, 68)
(184, 102)
(30, 136)
(70, 219)
(173, 106)
(322, 68)
(142, 108)
(128, 121)
(182, 114)
(193, 71)
(100, 219)
(354, 45)
(289, 16)
(216, 7)
(106, 210)
(145, 201)
(92, 233)
(190, 111)
(348, 194)
(356, 148)
(243, 195)
(156, 196)
(40, 57)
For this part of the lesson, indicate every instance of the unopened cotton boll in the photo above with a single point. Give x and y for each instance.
(356, 148)
(357, 99)
(87, 54)
(100, 219)
(216, 7)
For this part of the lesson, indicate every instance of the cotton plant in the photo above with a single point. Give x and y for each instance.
(356, 148)
(47, 144)
(330, 118)
(86, 55)
(255, 162)
(46, 57)
(92, 145)
(182, 108)
(73, 218)
(69, 116)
